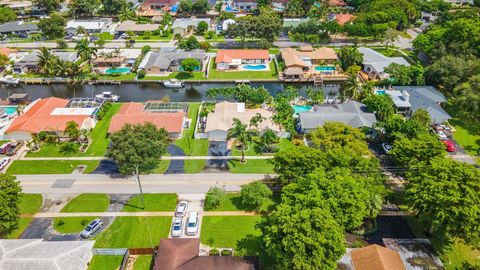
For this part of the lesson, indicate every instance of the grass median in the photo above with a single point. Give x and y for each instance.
(50, 166)
(153, 203)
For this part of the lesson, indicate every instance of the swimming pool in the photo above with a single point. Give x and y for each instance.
(255, 67)
(380, 92)
(122, 70)
(197, 68)
(325, 68)
(10, 110)
(302, 108)
(230, 9)
(174, 8)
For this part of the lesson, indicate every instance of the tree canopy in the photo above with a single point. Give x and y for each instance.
(381, 105)
(48, 5)
(138, 145)
(253, 97)
(53, 27)
(7, 14)
(10, 195)
(423, 148)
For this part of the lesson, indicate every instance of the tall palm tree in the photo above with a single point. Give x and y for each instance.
(46, 61)
(353, 87)
(241, 135)
(86, 52)
(81, 31)
(61, 68)
(256, 120)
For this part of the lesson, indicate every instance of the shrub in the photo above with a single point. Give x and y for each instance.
(84, 222)
(42, 135)
(213, 198)
(61, 222)
(141, 74)
(255, 194)
(214, 252)
(226, 252)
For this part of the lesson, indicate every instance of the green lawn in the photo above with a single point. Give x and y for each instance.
(104, 262)
(87, 202)
(467, 133)
(117, 77)
(194, 166)
(153, 203)
(236, 232)
(252, 166)
(143, 262)
(253, 149)
(105, 36)
(98, 137)
(153, 37)
(231, 203)
(214, 74)
(50, 166)
(29, 204)
(162, 166)
(197, 76)
(189, 145)
(71, 224)
(134, 232)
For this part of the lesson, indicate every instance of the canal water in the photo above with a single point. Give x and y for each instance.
(144, 91)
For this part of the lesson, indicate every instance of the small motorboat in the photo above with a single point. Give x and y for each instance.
(174, 83)
(107, 96)
(9, 79)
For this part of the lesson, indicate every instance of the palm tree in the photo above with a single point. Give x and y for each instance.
(256, 120)
(61, 68)
(81, 31)
(353, 87)
(46, 61)
(86, 52)
(241, 134)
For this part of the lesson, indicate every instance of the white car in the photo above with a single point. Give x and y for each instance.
(3, 162)
(387, 148)
(181, 209)
(192, 224)
(442, 135)
(177, 227)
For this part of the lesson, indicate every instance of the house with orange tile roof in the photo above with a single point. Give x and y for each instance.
(242, 60)
(308, 60)
(344, 18)
(7, 52)
(134, 113)
(373, 257)
(51, 115)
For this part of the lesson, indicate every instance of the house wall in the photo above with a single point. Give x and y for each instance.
(217, 135)
(223, 66)
(178, 30)
(247, 6)
(155, 70)
(370, 71)
(17, 135)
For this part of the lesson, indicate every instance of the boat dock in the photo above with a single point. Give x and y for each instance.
(106, 82)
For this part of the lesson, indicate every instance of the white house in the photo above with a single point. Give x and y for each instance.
(181, 25)
(92, 26)
(232, 59)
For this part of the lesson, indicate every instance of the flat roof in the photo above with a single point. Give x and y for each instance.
(73, 111)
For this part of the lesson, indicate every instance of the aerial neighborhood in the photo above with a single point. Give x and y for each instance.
(240, 135)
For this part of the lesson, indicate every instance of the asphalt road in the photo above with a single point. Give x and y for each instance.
(117, 184)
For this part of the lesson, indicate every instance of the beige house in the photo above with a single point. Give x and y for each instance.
(131, 26)
(307, 59)
(219, 122)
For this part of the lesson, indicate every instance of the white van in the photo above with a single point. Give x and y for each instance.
(192, 224)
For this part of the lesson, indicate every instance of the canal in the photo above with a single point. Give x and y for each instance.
(144, 91)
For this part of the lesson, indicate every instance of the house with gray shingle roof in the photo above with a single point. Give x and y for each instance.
(181, 25)
(421, 97)
(170, 60)
(351, 113)
(45, 255)
(374, 63)
(18, 27)
(30, 61)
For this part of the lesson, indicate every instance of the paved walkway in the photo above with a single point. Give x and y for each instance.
(133, 214)
(164, 158)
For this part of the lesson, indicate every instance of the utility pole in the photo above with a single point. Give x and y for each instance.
(139, 186)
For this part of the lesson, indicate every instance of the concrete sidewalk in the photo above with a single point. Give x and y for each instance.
(133, 214)
(163, 158)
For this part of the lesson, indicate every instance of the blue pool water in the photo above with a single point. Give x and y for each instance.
(230, 9)
(122, 70)
(255, 67)
(180, 68)
(325, 68)
(174, 8)
(302, 108)
(10, 110)
(381, 92)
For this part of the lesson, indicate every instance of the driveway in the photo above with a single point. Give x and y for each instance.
(176, 166)
(218, 149)
(106, 167)
(390, 227)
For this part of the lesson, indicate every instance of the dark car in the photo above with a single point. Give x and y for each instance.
(69, 35)
(12, 150)
(4, 148)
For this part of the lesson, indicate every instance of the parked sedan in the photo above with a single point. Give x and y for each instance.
(387, 148)
(4, 147)
(177, 227)
(4, 162)
(449, 146)
(91, 228)
(181, 209)
(442, 135)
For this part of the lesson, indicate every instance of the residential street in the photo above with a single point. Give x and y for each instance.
(117, 184)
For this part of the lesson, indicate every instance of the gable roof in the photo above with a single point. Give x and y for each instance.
(428, 98)
(226, 56)
(133, 113)
(344, 18)
(94, 24)
(39, 116)
(136, 27)
(33, 57)
(375, 257)
(42, 255)
(183, 254)
(17, 26)
(7, 51)
(351, 113)
(379, 61)
(164, 58)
